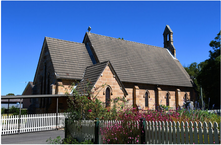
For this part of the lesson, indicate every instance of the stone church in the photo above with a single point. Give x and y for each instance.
(147, 76)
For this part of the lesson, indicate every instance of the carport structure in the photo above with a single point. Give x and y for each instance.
(20, 99)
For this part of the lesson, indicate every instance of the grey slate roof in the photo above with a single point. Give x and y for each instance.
(139, 63)
(69, 58)
(91, 75)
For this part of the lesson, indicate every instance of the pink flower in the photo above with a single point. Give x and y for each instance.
(89, 110)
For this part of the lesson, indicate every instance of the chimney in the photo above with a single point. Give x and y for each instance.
(168, 40)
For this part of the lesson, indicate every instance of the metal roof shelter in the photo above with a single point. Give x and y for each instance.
(20, 98)
(4, 101)
(34, 96)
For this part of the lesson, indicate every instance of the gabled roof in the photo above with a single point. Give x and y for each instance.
(91, 76)
(29, 84)
(139, 63)
(167, 30)
(69, 58)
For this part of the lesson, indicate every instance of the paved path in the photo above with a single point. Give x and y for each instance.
(31, 138)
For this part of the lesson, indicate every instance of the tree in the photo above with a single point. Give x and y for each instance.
(209, 76)
(193, 70)
(10, 94)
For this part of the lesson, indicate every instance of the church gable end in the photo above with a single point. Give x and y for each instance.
(45, 75)
(108, 87)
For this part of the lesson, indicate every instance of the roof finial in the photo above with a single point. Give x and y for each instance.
(89, 29)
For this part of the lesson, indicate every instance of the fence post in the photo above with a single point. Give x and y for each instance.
(8, 109)
(66, 127)
(97, 131)
(57, 113)
(19, 120)
(143, 131)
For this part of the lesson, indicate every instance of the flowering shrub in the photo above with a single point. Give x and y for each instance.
(197, 116)
(89, 107)
(149, 115)
(128, 131)
(124, 132)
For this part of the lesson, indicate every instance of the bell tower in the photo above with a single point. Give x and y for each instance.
(168, 40)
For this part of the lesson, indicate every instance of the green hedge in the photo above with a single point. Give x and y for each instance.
(13, 110)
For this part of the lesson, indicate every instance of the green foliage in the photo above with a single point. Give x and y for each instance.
(89, 107)
(54, 141)
(165, 108)
(10, 94)
(68, 140)
(15, 111)
(121, 38)
(193, 71)
(87, 142)
(209, 76)
(3, 110)
(197, 115)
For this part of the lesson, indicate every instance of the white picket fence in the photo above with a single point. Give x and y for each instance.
(188, 133)
(31, 123)
(156, 132)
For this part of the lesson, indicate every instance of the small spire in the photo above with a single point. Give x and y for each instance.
(89, 29)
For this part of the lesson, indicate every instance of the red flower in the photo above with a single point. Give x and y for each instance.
(89, 110)
(107, 110)
(89, 98)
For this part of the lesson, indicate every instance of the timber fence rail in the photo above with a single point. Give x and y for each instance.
(31, 123)
(152, 132)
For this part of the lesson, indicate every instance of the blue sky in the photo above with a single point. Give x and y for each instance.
(25, 24)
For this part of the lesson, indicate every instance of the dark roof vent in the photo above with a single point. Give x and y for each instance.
(89, 29)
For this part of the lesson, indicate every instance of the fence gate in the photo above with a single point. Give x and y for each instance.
(31, 123)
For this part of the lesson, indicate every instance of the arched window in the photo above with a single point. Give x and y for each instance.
(107, 98)
(146, 99)
(167, 99)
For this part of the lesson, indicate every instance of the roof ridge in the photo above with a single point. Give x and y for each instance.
(128, 40)
(63, 40)
(98, 64)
